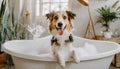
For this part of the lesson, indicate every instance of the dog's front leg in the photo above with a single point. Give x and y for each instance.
(76, 56)
(61, 60)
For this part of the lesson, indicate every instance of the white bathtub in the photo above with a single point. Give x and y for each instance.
(26, 54)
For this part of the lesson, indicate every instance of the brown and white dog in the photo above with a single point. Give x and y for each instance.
(61, 27)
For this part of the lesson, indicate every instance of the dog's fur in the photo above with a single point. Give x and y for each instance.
(62, 36)
(62, 39)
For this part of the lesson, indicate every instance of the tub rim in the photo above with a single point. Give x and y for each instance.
(35, 57)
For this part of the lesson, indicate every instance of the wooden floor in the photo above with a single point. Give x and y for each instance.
(112, 67)
(3, 67)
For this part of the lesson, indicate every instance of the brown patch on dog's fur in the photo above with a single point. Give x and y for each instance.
(71, 16)
(69, 27)
(54, 42)
(51, 26)
(70, 39)
(50, 17)
(53, 17)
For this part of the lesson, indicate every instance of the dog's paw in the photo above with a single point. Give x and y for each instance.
(77, 60)
(62, 65)
(76, 57)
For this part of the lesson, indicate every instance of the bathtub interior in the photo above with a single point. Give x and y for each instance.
(42, 45)
(101, 46)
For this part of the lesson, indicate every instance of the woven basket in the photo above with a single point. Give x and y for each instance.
(116, 61)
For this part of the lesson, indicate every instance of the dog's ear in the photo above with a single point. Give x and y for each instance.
(71, 15)
(50, 15)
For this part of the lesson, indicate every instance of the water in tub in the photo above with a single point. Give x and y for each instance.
(87, 50)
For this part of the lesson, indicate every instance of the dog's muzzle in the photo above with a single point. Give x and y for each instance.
(60, 29)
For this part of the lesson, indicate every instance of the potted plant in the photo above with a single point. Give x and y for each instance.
(11, 28)
(108, 14)
(2, 11)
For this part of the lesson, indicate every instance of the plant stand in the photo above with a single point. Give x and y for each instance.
(90, 31)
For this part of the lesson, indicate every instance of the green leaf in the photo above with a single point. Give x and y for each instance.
(107, 15)
(2, 9)
(115, 4)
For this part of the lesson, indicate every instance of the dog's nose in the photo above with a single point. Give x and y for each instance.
(60, 24)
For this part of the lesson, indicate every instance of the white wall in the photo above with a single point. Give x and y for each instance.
(82, 18)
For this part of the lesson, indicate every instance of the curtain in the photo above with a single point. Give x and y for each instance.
(24, 11)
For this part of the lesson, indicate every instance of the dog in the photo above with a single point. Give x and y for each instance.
(61, 27)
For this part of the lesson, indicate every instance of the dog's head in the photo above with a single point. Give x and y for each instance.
(60, 21)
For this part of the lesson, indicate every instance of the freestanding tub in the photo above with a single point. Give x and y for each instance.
(26, 54)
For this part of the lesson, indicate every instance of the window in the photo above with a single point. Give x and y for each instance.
(46, 6)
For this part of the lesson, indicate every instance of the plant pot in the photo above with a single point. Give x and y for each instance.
(2, 57)
(107, 34)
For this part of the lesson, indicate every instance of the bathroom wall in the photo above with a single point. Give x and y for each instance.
(82, 18)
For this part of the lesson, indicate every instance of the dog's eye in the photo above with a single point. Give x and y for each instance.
(56, 17)
(64, 17)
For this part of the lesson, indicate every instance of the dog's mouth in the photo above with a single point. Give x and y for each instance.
(60, 30)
